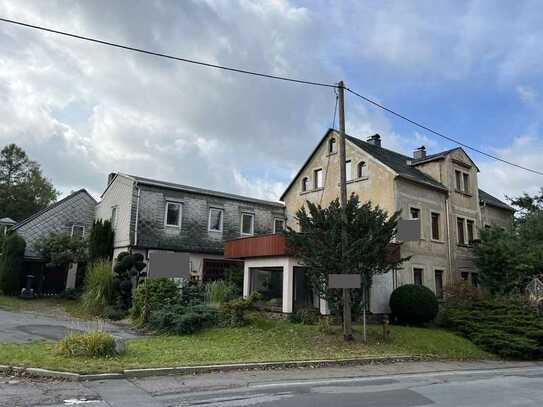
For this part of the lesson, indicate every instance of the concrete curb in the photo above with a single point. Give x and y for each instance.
(194, 370)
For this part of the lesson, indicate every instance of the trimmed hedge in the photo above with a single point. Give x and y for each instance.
(508, 327)
(183, 320)
(413, 304)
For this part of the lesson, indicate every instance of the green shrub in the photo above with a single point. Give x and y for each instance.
(306, 316)
(192, 293)
(101, 240)
(219, 291)
(99, 291)
(183, 320)
(507, 326)
(11, 264)
(159, 292)
(233, 313)
(114, 313)
(96, 344)
(413, 304)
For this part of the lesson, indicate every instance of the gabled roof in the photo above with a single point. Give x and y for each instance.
(440, 156)
(53, 205)
(487, 199)
(395, 161)
(398, 162)
(187, 188)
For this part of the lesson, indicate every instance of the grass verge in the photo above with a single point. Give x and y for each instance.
(261, 341)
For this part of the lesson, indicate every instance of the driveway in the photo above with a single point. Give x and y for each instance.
(24, 326)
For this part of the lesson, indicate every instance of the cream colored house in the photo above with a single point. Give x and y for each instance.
(439, 189)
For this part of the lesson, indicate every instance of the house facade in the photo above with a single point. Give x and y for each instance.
(439, 189)
(72, 215)
(156, 216)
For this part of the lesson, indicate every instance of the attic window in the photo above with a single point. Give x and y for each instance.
(332, 145)
(305, 184)
(361, 169)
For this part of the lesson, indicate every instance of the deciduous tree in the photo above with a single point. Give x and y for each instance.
(23, 188)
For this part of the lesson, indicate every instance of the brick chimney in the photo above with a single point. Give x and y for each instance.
(419, 153)
(110, 177)
(375, 140)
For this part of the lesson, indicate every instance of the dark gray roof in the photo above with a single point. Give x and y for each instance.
(187, 188)
(398, 162)
(431, 157)
(488, 199)
(25, 221)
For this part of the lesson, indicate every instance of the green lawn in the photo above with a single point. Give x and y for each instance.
(261, 341)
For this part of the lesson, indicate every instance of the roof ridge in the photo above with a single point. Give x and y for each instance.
(171, 184)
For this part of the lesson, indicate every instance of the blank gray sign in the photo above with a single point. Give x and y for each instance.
(344, 281)
(408, 229)
(168, 265)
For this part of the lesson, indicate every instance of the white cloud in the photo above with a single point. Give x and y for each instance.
(501, 179)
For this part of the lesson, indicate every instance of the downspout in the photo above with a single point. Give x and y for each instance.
(448, 235)
(137, 215)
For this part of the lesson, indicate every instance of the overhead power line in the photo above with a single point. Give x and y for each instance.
(268, 76)
(159, 54)
(422, 126)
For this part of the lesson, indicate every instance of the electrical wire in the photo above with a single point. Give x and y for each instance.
(422, 126)
(270, 76)
(159, 54)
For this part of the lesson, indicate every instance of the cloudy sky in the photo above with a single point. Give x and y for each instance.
(471, 69)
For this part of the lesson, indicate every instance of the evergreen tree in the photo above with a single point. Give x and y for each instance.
(11, 264)
(101, 241)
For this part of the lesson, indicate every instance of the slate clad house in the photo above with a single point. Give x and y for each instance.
(150, 215)
(439, 189)
(73, 215)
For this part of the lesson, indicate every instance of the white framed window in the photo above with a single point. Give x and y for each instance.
(278, 225)
(78, 231)
(215, 220)
(348, 170)
(113, 217)
(173, 214)
(317, 178)
(361, 169)
(247, 224)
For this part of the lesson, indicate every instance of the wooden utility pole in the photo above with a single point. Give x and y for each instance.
(347, 323)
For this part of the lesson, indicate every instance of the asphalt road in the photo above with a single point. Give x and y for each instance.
(19, 326)
(437, 384)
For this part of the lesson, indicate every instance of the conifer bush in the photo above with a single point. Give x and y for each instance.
(413, 304)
